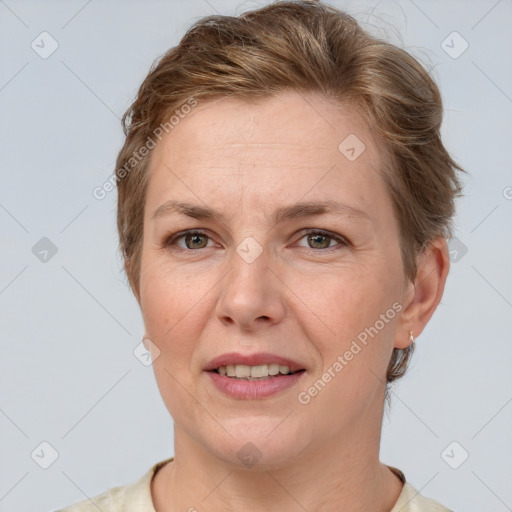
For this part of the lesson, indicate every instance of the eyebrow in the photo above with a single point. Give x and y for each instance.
(286, 213)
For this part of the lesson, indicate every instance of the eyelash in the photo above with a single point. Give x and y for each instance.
(342, 242)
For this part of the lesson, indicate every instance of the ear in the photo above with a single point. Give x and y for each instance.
(422, 297)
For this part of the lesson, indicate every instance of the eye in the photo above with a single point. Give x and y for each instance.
(192, 240)
(319, 239)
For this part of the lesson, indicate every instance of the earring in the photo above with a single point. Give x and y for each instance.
(411, 337)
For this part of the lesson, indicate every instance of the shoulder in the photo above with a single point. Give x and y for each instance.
(125, 498)
(410, 500)
(111, 500)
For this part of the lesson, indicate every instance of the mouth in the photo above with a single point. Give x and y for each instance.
(257, 372)
(253, 376)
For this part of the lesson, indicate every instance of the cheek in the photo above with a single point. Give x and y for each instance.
(356, 346)
(173, 303)
(164, 293)
(346, 300)
(343, 319)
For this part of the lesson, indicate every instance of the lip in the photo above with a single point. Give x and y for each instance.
(253, 389)
(234, 358)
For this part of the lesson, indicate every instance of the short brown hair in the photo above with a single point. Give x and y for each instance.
(303, 46)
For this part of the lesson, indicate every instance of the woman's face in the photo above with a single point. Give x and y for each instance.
(260, 279)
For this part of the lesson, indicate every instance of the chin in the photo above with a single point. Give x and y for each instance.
(259, 443)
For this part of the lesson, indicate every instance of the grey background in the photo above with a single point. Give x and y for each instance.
(69, 324)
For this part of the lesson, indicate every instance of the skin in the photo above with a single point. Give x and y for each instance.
(302, 299)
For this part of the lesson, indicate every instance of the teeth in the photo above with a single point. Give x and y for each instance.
(242, 370)
(273, 369)
(261, 371)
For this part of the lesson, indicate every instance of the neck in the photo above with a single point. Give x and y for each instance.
(334, 475)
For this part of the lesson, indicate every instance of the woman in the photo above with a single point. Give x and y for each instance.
(284, 200)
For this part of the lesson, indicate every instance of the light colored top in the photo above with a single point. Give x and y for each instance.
(136, 497)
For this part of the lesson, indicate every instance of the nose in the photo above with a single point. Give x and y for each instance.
(251, 295)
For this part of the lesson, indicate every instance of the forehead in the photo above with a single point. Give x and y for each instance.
(277, 149)
(295, 122)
